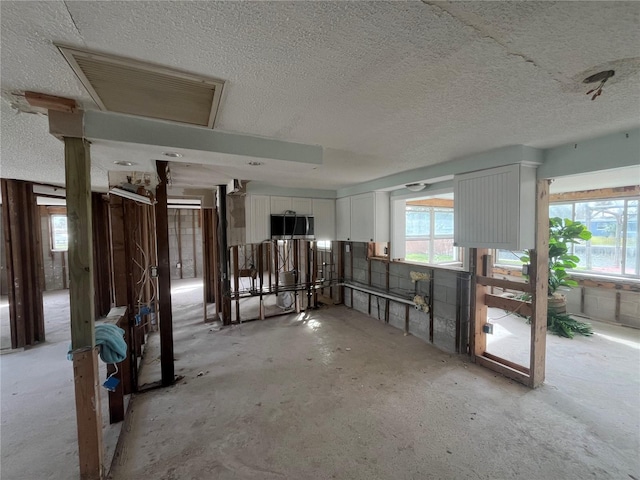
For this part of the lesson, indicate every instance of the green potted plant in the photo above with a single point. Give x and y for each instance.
(562, 234)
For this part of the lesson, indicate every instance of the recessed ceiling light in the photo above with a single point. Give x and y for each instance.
(416, 187)
(172, 154)
(124, 163)
(255, 164)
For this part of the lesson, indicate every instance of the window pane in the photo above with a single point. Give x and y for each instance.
(443, 222)
(443, 251)
(418, 221)
(507, 257)
(560, 210)
(604, 219)
(59, 237)
(632, 260)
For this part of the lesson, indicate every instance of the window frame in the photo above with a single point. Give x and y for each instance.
(52, 233)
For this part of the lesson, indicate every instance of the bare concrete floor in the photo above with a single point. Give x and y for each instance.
(38, 437)
(335, 394)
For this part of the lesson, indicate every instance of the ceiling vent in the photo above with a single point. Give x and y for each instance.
(123, 85)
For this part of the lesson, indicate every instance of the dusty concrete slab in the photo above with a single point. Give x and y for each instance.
(335, 394)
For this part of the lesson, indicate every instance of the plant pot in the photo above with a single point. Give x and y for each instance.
(557, 303)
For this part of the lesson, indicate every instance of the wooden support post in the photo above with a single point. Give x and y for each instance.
(81, 301)
(406, 320)
(539, 279)
(296, 269)
(225, 282)
(164, 278)
(261, 278)
(340, 263)
(431, 302)
(479, 312)
(209, 255)
(314, 272)
(193, 243)
(121, 266)
(102, 271)
(276, 266)
(24, 263)
(269, 264)
(236, 280)
(178, 217)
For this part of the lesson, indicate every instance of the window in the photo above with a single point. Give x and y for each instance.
(613, 248)
(323, 244)
(429, 233)
(59, 238)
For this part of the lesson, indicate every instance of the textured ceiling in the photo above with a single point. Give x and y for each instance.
(383, 87)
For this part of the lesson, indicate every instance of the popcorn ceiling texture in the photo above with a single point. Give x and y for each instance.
(383, 86)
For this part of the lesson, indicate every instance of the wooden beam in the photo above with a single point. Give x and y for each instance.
(478, 339)
(503, 369)
(193, 244)
(539, 279)
(503, 283)
(88, 414)
(600, 193)
(508, 304)
(50, 102)
(81, 300)
(164, 278)
(102, 271)
(432, 202)
(236, 279)
(24, 263)
(177, 216)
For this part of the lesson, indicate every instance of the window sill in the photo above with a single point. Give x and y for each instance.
(455, 266)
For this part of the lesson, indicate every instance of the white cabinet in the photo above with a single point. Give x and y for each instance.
(324, 215)
(363, 218)
(258, 215)
(343, 219)
(280, 205)
(495, 208)
(302, 206)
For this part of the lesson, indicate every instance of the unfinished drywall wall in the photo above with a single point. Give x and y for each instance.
(185, 243)
(450, 297)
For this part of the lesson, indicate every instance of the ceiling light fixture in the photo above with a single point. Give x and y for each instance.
(416, 187)
(255, 164)
(601, 77)
(124, 163)
(172, 154)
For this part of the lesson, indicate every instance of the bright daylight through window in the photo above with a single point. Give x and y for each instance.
(613, 248)
(59, 238)
(429, 232)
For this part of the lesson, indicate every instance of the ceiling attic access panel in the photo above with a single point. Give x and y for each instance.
(495, 208)
(128, 86)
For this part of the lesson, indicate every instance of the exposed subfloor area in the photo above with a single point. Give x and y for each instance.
(38, 437)
(334, 394)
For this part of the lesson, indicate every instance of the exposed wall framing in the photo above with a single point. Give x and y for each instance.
(24, 262)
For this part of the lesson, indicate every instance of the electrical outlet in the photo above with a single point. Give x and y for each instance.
(178, 265)
(347, 248)
(488, 328)
(153, 270)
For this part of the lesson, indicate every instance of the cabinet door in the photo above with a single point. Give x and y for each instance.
(302, 206)
(362, 217)
(279, 205)
(324, 214)
(343, 219)
(259, 219)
